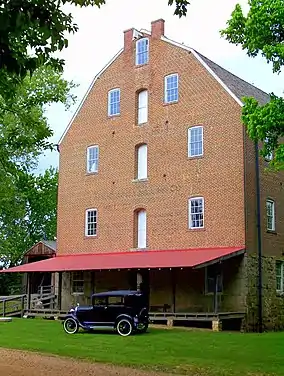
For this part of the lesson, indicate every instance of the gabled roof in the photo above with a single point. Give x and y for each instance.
(236, 87)
(50, 243)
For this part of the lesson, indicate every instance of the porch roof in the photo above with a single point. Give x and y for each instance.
(197, 257)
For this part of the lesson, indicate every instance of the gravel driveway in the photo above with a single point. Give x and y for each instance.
(20, 363)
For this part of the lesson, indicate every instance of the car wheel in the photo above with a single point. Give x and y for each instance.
(70, 326)
(124, 327)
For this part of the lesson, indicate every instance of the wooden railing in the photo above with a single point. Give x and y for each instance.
(13, 305)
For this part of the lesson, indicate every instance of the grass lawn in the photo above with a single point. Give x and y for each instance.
(185, 352)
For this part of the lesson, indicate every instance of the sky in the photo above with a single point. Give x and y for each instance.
(100, 37)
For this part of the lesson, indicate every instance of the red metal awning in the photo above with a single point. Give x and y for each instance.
(130, 260)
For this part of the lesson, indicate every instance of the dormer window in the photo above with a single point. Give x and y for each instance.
(142, 51)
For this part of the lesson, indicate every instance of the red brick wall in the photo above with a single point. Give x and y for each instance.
(271, 186)
(173, 178)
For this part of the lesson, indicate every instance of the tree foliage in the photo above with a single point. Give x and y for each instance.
(261, 31)
(33, 30)
(28, 215)
(28, 201)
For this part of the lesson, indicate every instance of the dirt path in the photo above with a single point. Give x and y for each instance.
(20, 363)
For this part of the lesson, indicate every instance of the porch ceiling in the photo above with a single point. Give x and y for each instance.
(130, 260)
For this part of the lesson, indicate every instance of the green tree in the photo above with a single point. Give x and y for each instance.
(27, 201)
(33, 30)
(28, 215)
(261, 31)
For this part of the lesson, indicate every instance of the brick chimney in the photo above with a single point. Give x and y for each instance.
(128, 35)
(157, 28)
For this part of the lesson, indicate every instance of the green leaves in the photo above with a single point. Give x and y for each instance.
(266, 124)
(27, 201)
(261, 31)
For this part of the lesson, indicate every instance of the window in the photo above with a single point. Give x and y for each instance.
(141, 229)
(114, 102)
(270, 214)
(195, 141)
(269, 156)
(78, 282)
(142, 51)
(279, 276)
(99, 300)
(115, 300)
(143, 107)
(171, 88)
(213, 279)
(92, 159)
(91, 222)
(196, 212)
(142, 162)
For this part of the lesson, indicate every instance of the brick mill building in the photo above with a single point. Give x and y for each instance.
(157, 190)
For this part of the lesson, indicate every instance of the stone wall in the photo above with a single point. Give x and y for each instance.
(273, 303)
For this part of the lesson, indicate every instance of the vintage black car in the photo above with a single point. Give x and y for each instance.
(124, 311)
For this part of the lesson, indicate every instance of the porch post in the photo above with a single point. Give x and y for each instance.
(59, 290)
(93, 277)
(216, 294)
(28, 291)
(174, 289)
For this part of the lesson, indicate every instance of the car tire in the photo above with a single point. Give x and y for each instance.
(124, 327)
(70, 326)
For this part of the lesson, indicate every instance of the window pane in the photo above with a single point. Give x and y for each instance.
(171, 88)
(195, 141)
(270, 213)
(91, 222)
(279, 275)
(114, 102)
(142, 51)
(93, 159)
(196, 213)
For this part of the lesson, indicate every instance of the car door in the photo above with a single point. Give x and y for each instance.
(115, 308)
(99, 312)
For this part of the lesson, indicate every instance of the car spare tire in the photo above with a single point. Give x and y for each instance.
(124, 327)
(70, 325)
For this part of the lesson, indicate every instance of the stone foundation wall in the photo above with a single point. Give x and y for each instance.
(273, 303)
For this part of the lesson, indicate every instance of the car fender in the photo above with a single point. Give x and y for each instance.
(72, 316)
(124, 316)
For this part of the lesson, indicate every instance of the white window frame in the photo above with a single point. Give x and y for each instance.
(87, 222)
(190, 214)
(114, 103)
(142, 107)
(141, 232)
(77, 278)
(281, 275)
(145, 51)
(166, 88)
(272, 216)
(190, 142)
(270, 156)
(142, 162)
(92, 161)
